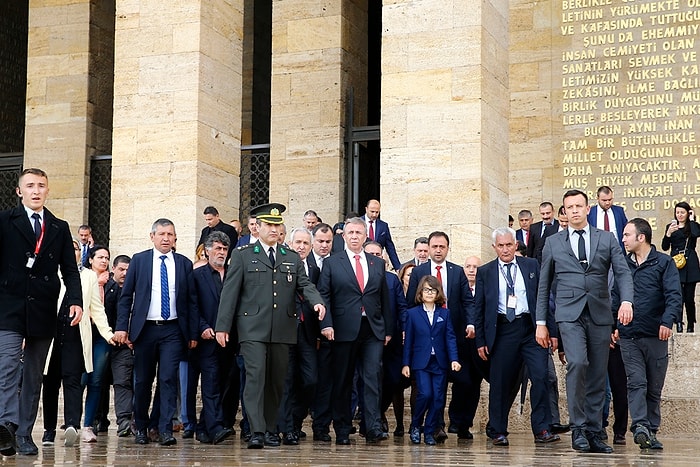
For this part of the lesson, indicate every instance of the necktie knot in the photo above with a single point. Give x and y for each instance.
(580, 232)
(37, 225)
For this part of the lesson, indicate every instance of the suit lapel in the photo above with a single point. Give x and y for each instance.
(21, 222)
(566, 245)
(595, 239)
(51, 229)
(345, 261)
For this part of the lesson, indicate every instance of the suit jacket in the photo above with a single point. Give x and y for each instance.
(242, 241)
(618, 215)
(520, 236)
(537, 239)
(345, 301)
(136, 296)
(487, 296)
(383, 237)
(261, 296)
(221, 227)
(309, 323)
(459, 296)
(208, 296)
(422, 337)
(576, 287)
(29, 297)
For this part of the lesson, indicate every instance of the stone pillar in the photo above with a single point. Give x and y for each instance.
(444, 122)
(315, 60)
(58, 113)
(177, 114)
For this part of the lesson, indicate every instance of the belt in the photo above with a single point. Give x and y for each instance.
(503, 319)
(161, 322)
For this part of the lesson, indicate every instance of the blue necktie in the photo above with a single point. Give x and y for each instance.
(164, 290)
(510, 290)
(37, 225)
(83, 257)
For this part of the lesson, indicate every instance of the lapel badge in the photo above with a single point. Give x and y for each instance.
(532, 275)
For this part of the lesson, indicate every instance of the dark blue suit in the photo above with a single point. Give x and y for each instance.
(243, 241)
(512, 343)
(466, 383)
(157, 345)
(428, 351)
(394, 381)
(383, 237)
(620, 221)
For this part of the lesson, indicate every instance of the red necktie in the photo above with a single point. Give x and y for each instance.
(438, 276)
(527, 237)
(371, 230)
(606, 222)
(359, 274)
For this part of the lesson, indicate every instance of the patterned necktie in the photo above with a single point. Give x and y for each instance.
(510, 291)
(582, 249)
(271, 255)
(164, 290)
(37, 225)
(371, 230)
(359, 274)
(84, 255)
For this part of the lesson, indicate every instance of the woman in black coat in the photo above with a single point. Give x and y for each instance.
(682, 234)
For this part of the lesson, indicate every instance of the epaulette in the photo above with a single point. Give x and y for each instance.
(243, 247)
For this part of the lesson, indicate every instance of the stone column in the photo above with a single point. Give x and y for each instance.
(58, 112)
(177, 115)
(444, 122)
(315, 59)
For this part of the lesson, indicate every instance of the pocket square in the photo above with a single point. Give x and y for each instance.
(440, 319)
(532, 275)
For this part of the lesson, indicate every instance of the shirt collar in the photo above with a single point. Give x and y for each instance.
(586, 229)
(30, 212)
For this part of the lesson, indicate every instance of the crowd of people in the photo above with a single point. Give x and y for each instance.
(327, 323)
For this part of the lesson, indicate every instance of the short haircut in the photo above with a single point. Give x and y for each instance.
(85, 227)
(524, 214)
(311, 212)
(438, 233)
(217, 236)
(300, 230)
(420, 240)
(561, 211)
(499, 232)
(211, 210)
(121, 259)
(432, 282)
(33, 171)
(575, 193)
(355, 221)
(544, 204)
(321, 227)
(372, 242)
(606, 190)
(643, 228)
(162, 222)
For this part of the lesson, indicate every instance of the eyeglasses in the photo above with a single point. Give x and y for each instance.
(429, 290)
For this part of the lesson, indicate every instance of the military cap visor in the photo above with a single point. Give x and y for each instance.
(269, 213)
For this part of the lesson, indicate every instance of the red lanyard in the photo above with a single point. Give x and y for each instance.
(41, 239)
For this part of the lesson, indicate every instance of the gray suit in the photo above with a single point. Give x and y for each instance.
(584, 315)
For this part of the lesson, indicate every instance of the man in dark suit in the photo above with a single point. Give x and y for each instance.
(539, 231)
(302, 374)
(208, 282)
(158, 313)
(599, 215)
(252, 235)
(33, 245)
(214, 224)
(259, 291)
(466, 383)
(420, 252)
(523, 233)
(579, 260)
(358, 324)
(378, 231)
(505, 335)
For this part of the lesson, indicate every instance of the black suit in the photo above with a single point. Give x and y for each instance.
(28, 304)
(220, 227)
(538, 237)
(155, 344)
(510, 344)
(357, 338)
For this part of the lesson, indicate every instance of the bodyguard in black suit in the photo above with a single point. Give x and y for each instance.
(506, 299)
(33, 244)
(358, 324)
(539, 231)
(208, 282)
(158, 309)
(214, 224)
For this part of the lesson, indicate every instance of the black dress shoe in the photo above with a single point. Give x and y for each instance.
(342, 441)
(558, 428)
(453, 429)
(142, 437)
(26, 446)
(500, 440)
(290, 439)
(679, 327)
(187, 434)
(257, 441)
(399, 431)
(272, 439)
(430, 440)
(691, 327)
(221, 435)
(598, 445)
(619, 438)
(546, 436)
(325, 437)
(301, 434)
(414, 434)
(376, 436)
(246, 435)
(579, 441)
(655, 443)
(465, 434)
(167, 439)
(440, 435)
(7, 440)
(203, 437)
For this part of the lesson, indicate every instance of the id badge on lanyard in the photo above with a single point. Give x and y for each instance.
(31, 259)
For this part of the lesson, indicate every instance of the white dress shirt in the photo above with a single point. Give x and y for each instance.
(154, 310)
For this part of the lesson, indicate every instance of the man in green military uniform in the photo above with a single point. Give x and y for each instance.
(259, 292)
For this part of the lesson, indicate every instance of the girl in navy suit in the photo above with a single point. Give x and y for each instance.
(430, 350)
